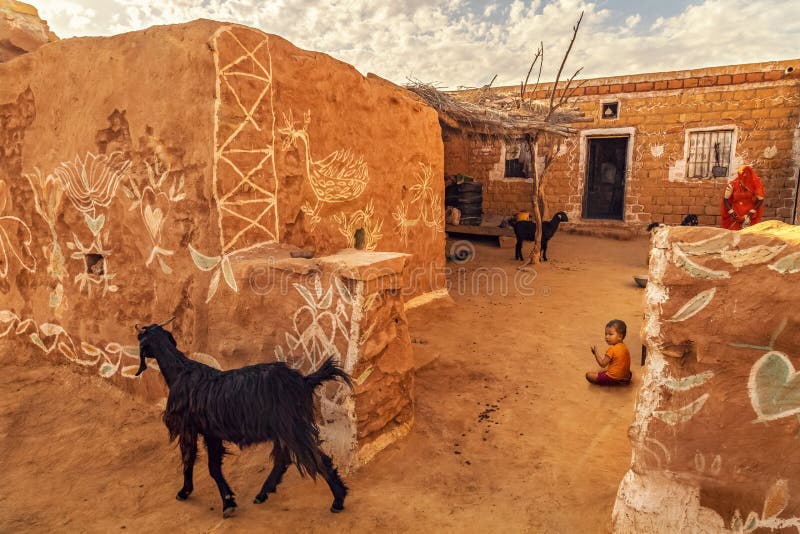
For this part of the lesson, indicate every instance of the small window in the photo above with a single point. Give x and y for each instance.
(610, 110)
(709, 153)
(518, 160)
(95, 264)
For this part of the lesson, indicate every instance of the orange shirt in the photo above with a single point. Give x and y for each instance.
(620, 366)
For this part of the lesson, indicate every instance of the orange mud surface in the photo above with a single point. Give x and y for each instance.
(508, 436)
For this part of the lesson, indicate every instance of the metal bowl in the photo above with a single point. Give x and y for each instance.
(641, 279)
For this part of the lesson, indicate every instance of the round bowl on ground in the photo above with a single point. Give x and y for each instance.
(640, 279)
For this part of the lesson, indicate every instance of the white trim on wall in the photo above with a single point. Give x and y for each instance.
(630, 133)
(677, 172)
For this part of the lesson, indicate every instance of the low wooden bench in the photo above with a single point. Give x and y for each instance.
(505, 236)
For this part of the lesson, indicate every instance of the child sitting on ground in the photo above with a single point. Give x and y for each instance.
(616, 362)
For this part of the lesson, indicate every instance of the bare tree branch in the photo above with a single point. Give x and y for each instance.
(564, 60)
(533, 63)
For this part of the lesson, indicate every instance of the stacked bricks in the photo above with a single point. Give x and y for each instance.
(760, 101)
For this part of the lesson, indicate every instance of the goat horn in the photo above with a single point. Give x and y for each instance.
(167, 322)
(137, 327)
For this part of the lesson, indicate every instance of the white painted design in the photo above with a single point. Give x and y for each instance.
(711, 245)
(92, 182)
(694, 306)
(428, 205)
(695, 270)
(789, 264)
(657, 151)
(245, 180)
(153, 196)
(688, 382)
(51, 338)
(683, 414)
(774, 387)
(48, 198)
(751, 256)
(770, 152)
(10, 243)
(775, 502)
(247, 147)
(361, 220)
(339, 177)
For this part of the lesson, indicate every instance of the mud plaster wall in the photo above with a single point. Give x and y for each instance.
(717, 414)
(142, 175)
(759, 101)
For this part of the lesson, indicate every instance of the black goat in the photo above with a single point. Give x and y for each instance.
(689, 220)
(253, 404)
(526, 231)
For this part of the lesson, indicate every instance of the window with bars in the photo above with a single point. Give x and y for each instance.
(709, 153)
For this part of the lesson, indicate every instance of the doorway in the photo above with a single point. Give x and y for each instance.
(604, 195)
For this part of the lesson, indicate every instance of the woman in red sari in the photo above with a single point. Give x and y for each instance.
(743, 203)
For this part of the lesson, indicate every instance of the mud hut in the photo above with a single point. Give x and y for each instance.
(190, 171)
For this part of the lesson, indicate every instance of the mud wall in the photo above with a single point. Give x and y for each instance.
(716, 415)
(168, 172)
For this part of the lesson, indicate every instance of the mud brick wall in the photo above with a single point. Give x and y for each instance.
(483, 158)
(158, 173)
(716, 417)
(761, 102)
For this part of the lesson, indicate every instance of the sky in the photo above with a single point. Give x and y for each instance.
(465, 43)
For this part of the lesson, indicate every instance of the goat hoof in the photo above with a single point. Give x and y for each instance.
(229, 511)
(336, 508)
(260, 498)
(183, 495)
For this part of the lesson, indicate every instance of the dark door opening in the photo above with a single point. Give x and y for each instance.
(604, 196)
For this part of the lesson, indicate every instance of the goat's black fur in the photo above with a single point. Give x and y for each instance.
(689, 220)
(253, 404)
(526, 231)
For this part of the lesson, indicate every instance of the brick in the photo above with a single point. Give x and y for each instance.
(724, 79)
(707, 81)
(675, 84)
(604, 89)
(644, 86)
(691, 82)
(754, 77)
(660, 85)
(766, 92)
(591, 90)
(738, 78)
(616, 87)
(773, 75)
(629, 87)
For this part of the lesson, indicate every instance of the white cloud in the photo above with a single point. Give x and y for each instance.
(450, 42)
(633, 20)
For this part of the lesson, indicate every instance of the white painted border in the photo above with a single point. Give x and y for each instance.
(609, 100)
(630, 133)
(677, 172)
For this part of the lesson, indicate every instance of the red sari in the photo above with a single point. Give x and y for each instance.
(743, 193)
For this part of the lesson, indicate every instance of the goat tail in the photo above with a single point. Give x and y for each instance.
(652, 225)
(329, 370)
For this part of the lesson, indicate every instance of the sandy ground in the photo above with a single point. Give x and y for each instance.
(509, 437)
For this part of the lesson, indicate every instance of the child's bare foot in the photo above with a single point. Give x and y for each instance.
(591, 377)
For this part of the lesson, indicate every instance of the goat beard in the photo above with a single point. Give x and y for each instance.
(142, 365)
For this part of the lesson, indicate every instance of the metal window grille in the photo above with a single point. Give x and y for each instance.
(707, 150)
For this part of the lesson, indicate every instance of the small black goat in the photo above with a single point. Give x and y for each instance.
(526, 231)
(253, 404)
(689, 220)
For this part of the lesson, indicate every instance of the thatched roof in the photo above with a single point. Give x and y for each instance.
(495, 112)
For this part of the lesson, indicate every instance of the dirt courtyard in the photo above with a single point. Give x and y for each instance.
(508, 437)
